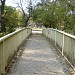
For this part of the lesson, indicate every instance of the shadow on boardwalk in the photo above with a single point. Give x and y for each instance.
(39, 57)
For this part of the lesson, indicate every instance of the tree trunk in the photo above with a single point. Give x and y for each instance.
(3, 29)
(26, 22)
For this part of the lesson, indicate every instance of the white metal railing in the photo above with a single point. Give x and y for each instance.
(9, 45)
(64, 41)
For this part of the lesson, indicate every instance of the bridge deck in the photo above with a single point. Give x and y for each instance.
(39, 57)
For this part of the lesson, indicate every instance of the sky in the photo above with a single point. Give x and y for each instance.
(12, 3)
(25, 3)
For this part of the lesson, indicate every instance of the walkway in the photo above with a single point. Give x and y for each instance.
(39, 57)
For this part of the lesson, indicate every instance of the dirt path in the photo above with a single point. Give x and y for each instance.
(40, 58)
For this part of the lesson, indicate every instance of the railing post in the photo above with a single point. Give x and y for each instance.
(63, 44)
(3, 60)
(55, 37)
(51, 34)
(48, 33)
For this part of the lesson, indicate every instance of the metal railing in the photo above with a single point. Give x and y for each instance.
(9, 45)
(64, 42)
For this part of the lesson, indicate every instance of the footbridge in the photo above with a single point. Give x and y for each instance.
(37, 52)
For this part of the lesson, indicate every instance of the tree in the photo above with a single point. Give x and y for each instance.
(3, 29)
(20, 5)
(56, 14)
(30, 9)
(21, 19)
(0, 15)
(13, 18)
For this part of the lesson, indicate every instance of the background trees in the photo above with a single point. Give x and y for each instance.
(27, 11)
(10, 17)
(50, 13)
(13, 18)
(56, 14)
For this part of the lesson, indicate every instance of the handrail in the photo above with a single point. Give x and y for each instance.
(67, 34)
(9, 45)
(9, 35)
(64, 41)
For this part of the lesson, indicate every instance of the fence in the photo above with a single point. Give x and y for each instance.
(64, 41)
(9, 45)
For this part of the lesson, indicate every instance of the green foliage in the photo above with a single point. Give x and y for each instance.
(13, 18)
(56, 14)
(10, 18)
(3, 34)
(21, 18)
